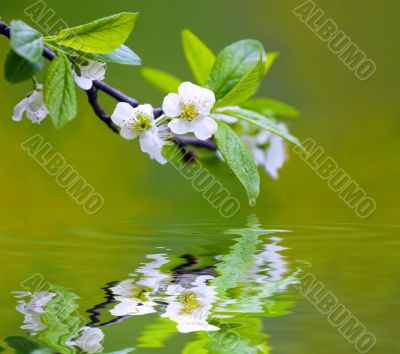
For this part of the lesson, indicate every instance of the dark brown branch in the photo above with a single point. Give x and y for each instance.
(121, 97)
(92, 96)
(184, 140)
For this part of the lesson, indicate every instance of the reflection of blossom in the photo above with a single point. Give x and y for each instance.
(191, 307)
(88, 340)
(271, 261)
(33, 309)
(135, 297)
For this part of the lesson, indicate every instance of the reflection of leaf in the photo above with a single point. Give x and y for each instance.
(24, 345)
(62, 320)
(262, 298)
(156, 334)
(233, 266)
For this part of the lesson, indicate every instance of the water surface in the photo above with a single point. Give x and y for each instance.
(206, 287)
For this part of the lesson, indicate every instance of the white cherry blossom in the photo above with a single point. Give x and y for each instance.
(33, 106)
(139, 122)
(190, 110)
(268, 150)
(90, 71)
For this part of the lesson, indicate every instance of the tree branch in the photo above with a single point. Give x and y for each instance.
(120, 97)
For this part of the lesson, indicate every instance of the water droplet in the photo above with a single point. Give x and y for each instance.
(252, 202)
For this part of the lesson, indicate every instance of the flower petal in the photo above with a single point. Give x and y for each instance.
(206, 103)
(152, 144)
(204, 127)
(180, 126)
(202, 98)
(123, 114)
(37, 116)
(171, 105)
(146, 109)
(36, 110)
(94, 70)
(19, 110)
(83, 82)
(262, 137)
(259, 156)
(276, 156)
(127, 133)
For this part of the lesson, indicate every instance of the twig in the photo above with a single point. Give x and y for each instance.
(120, 97)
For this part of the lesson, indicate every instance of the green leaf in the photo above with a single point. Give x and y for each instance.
(101, 36)
(233, 64)
(245, 88)
(270, 108)
(239, 159)
(163, 81)
(271, 57)
(260, 121)
(18, 69)
(199, 57)
(122, 55)
(26, 41)
(59, 91)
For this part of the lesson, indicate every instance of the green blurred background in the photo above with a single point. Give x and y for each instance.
(356, 122)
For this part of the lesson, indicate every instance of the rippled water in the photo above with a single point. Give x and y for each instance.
(168, 287)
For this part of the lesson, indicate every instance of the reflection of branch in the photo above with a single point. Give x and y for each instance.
(95, 313)
(179, 274)
(120, 97)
